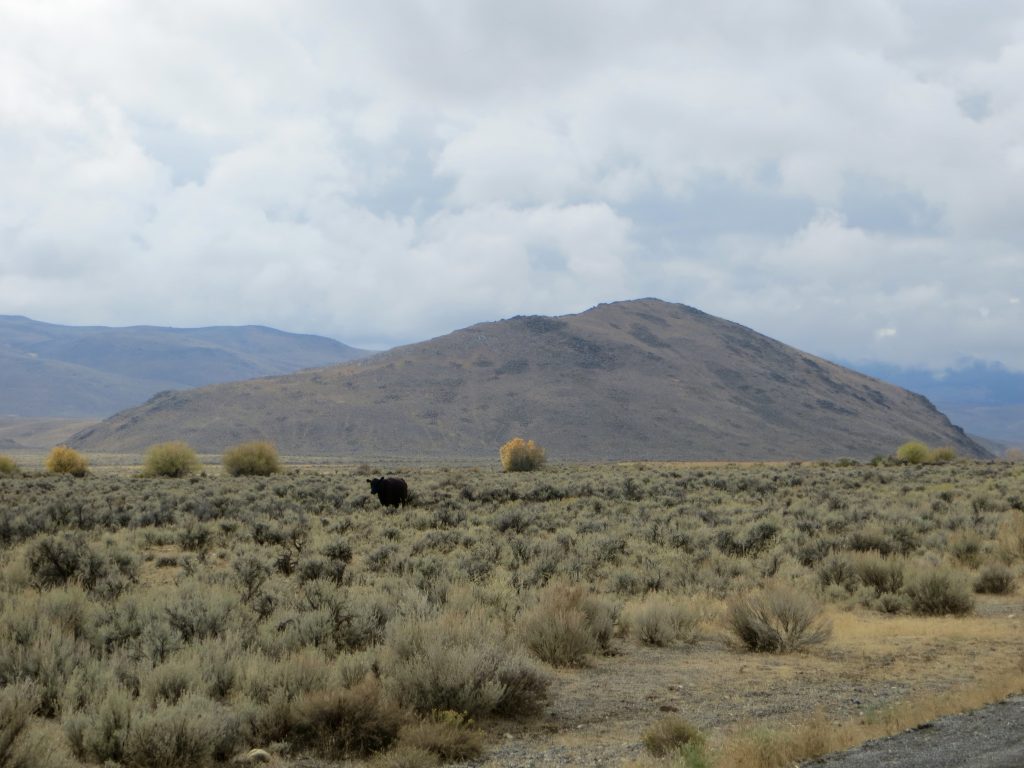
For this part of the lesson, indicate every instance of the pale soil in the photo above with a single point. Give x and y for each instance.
(596, 716)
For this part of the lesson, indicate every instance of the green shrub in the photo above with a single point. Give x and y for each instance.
(174, 459)
(777, 619)
(670, 734)
(994, 579)
(8, 467)
(941, 455)
(66, 461)
(937, 591)
(518, 455)
(914, 452)
(254, 458)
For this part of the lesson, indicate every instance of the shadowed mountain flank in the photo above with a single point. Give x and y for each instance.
(49, 370)
(640, 379)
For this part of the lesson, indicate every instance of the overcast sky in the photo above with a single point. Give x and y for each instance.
(847, 177)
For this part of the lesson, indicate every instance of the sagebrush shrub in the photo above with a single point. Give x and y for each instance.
(17, 702)
(567, 625)
(97, 734)
(882, 574)
(518, 455)
(1010, 536)
(9, 467)
(994, 579)
(258, 457)
(176, 736)
(462, 661)
(63, 460)
(406, 756)
(53, 560)
(660, 620)
(449, 735)
(941, 455)
(777, 619)
(351, 721)
(173, 459)
(966, 547)
(837, 570)
(936, 591)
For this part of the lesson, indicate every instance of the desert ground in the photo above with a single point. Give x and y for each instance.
(604, 614)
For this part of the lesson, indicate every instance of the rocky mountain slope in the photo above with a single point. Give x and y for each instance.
(640, 379)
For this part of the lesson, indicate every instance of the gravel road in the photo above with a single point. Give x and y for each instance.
(992, 737)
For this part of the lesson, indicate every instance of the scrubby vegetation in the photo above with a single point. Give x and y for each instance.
(257, 459)
(916, 452)
(9, 467)
(174, 459)
(154, 621)
(66, 461)
(777, 619)
(674, 735)
(518, 455)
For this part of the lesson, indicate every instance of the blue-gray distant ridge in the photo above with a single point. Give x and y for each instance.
(49, 370)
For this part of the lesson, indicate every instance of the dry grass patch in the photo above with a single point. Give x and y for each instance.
(789, 744)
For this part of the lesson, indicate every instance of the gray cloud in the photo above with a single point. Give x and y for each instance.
(848, 178)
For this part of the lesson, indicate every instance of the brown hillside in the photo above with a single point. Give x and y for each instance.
(629, 380)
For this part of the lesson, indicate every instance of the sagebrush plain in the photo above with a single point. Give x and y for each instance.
(501, 618)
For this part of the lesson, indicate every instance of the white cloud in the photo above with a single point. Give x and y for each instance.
(820, 172)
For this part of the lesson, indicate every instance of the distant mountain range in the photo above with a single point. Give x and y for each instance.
(639, 379)
(49, 370)
(985, 399)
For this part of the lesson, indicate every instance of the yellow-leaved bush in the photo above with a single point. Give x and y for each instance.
(518, 455)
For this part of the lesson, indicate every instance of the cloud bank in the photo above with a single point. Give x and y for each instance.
(845, 177)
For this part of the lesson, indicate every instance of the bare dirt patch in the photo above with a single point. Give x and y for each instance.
(597, 715)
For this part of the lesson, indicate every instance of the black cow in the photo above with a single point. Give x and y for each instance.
(392, 491)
